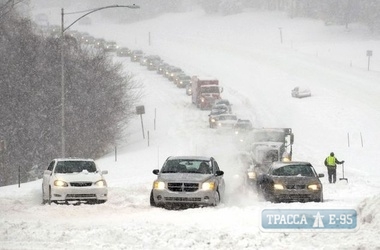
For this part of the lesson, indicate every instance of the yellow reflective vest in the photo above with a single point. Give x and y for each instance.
(331, 161)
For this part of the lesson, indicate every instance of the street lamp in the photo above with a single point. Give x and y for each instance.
(63, 29)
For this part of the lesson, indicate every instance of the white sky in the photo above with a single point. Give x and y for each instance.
(257, 72)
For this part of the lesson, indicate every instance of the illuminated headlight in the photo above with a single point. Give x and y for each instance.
(314, 187)
(202, 99)
(236, 132)
(59, 183)
(219, 124)
(208, 186)
(160, 185)
(285, 159)
(251, 175)
(212, 120)
(101, 183)
(278, 186)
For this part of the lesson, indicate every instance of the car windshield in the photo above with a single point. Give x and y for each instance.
(273, 136)
(187, 166)
(210, 89)
(227, 117)
(294, 170)
(68, 167)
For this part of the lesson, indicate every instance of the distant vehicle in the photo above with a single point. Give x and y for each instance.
(299, 92)
(225, 121)
(143, 61)
(224, 101)
(205, 91)
(189, 89)
(123, 52)
(74, 180)
(153, 64)
(172, 71)
(188, 181)
(182, 80)
(215, 111)
(100, 43)
(111, 46)
(161, 69)
(291, 181)
(136, 55)
(88, 39)
(243, 126)
(152, 58)
(74, 34)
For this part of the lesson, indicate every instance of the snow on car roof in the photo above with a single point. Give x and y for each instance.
(280, 164)
(203, 158)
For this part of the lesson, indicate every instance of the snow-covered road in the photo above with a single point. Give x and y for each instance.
(257, 73)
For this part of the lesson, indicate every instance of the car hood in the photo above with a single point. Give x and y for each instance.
(300, 180)
(80, 177)
(184, 177)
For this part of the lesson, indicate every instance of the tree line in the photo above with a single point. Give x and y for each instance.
(99, 99)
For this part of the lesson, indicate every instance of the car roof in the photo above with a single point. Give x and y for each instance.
(219, 105)
(227, 115)
(244, 121)
(202, 158)
(279, 164)
(73, 159)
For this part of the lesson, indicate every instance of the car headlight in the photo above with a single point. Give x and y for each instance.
(252, 175)
(202, 99)
(101, 183)
(278, 186)
(212, 120)
(208, 186)
(314, 187)
(285, 159)
(236, 132)
(160, 185)
(59, 183)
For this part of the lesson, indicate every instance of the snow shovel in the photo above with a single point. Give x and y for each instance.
(343, 174)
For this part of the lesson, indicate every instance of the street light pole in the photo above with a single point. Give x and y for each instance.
(62, 87)
(63, 29)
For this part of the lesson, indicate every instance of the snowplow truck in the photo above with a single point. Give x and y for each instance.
(269, 145)
(205, 91)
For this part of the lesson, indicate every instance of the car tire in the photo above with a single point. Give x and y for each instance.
(49, 198)
(217, 198)
(151, 200)
(44, 201)
(320, 199)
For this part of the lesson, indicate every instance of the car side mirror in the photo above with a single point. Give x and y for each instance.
(321, 175)
(219, 173)
(105, 172)
(47, 172)
(156, 171)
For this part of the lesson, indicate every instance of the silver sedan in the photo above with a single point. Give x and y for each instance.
(188, 181)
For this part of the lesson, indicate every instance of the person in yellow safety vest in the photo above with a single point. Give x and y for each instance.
(330, 163)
